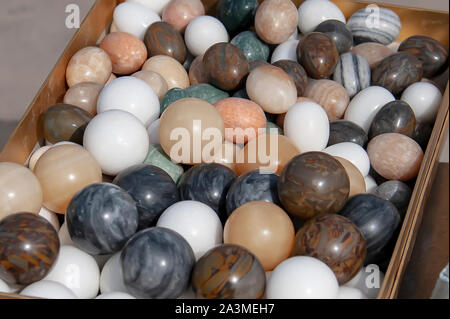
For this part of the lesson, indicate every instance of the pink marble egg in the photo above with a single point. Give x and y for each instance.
(90, 64)
(180, 12)
(395, 156)
(244, 119)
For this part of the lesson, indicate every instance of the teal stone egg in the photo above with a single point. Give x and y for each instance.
(158, 158)
(253, 48)
(236, 15)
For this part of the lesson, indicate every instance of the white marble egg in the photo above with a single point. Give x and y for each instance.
(76, 270)
(203, 32)
(134, 18)
(117, 140)
(425, 99)
(51, 217)
(132, 95)
(115, 295)
(307, 126)
(155, 5)
(366, 104)
(302, 277)
(312, 12)
(48, 289)
(153, 132)
(371, 184)
(352, 152)
(350, 293)
(285, 51)
(196, 222)
(111, 279)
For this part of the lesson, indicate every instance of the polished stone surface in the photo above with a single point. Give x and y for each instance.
(272, 89)
(155, 80)
(253, 48)
(202, 91)
(229, 272)
(353, 72)
(313, 183)
(425, 99)
(395, 156)
(376, 218)
(152, 189)
(158, 158)
(339, 32)
(180, 12)
(394, 117)
(29, 246)
(236, 15)
(84, 95)
(157, 263)
(373, 52)
(170, 69)
(63, 171)
(127, 52)
(270, 126)
(296, 72)
(331, 95)
(398, 193)
(318, 54)
(384, 31)
(432, 53)
(336, 241)
(196, 73)
(264, 229)
(101, 218)
(20, 190)
(209, 184)
(162, 38)
(251, 187)
(225, 66)
(64, 122)
(397, 72)
(312, 13)
(276, 20)
(285, 51)
(90, 64)
(244, 119)
(357, 181)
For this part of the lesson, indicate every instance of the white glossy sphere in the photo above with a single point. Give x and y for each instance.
(425, 99)
(117, 140)
(37, 155)
(76, 270)
(350, 293)
(48, 289)
(302, 277)
(366, 104)
(352, 152)
(155, 5)
(371, 184)
(111, 279)
(4, 288)
(115, 295)
(203, 32)
(307, 126)
(196, 222)
(134, 18)
(51, 217)
(312, 12)
(132, 95)
(285, 51)
(294, 35)
(64, 236)
(368, 280)
(153, 130)
(65, 143)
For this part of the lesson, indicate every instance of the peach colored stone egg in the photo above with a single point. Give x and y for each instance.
(357, 182)
(373, 52)
(155, 80)
(126, 51)
(395, 156)
(228, 155)
(170, 69)
(276, 20)
(281, 117)
(244, 119)
(180, 12)
(90, 64)
(272, 89)
(84, 95)
(332, 96)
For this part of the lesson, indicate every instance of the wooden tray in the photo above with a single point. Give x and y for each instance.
(415, 21)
